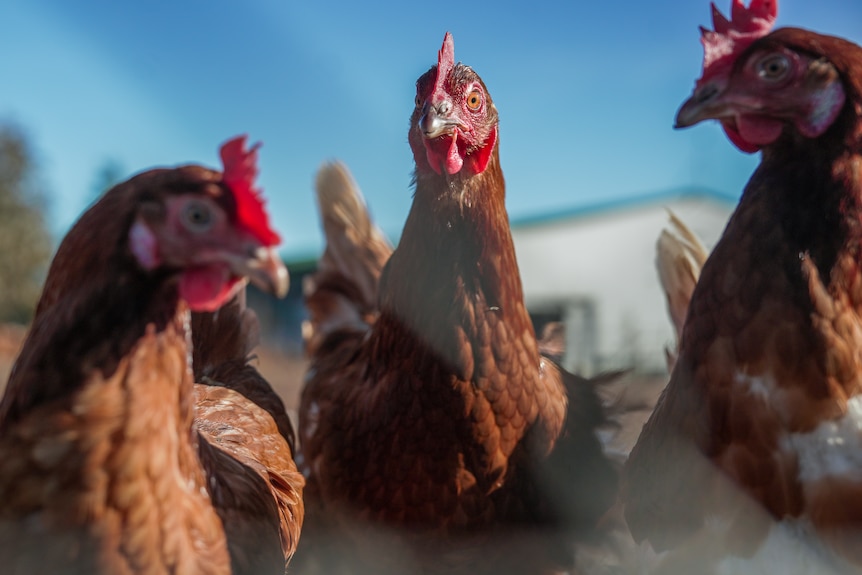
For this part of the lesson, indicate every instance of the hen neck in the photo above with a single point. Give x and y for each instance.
(814, 190)
(454, 270)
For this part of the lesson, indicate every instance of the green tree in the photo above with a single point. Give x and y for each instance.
(25, 243)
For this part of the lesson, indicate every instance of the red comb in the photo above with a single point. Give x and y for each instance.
(240, 170)
(445, 61)
(731, 37)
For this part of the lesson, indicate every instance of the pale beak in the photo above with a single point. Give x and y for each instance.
(264, 269)
(708, 102)
(437, 120)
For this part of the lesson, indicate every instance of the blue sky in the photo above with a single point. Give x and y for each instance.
(587, 93)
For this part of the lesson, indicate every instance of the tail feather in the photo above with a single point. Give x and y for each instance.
(343, 292)
(679, 258)
(552, 343)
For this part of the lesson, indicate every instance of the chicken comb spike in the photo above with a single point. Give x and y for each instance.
(729, 38)
(240, 171)
(445, 61)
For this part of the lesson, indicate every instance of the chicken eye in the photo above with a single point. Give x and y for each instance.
(198, 216)
(474, 100)
(773, 68)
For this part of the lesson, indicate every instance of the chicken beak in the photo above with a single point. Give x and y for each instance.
(264, 269)
(706, 103)
(436, 120)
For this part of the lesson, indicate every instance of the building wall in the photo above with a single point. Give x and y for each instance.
(597, 271)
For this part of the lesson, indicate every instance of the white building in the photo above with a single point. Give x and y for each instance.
(594, 269)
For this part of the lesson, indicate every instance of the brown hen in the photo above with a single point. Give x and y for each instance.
(753, 457)
(435, 436)
(111, 461)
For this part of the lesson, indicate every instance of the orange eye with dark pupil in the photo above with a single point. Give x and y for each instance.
(474, 100)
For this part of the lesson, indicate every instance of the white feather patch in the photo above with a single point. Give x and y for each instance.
(833, 448)
(762, 386)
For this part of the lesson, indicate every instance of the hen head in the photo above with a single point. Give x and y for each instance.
(208, 228)
(761, 85)
(454, 124)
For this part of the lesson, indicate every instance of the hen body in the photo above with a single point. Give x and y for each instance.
(435, 436)
(753, 455)
(110, 460)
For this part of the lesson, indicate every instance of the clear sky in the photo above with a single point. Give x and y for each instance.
(586, 91)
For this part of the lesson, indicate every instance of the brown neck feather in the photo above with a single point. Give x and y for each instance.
(814, 189)
(455, 266)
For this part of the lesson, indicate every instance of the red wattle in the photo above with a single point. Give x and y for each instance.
(482, 156)
(454, 160)
(206, 288)
(759, 130)
(431, 156)
(737, 140)
(450, 156)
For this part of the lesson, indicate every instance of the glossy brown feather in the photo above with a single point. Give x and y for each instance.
(125, 514)
(772, 345)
